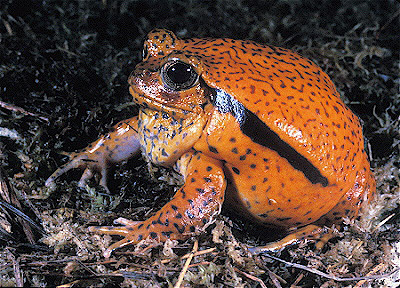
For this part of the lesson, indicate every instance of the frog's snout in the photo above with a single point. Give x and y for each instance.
(138, 75)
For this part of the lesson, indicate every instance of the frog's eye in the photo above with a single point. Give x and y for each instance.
(178, 75)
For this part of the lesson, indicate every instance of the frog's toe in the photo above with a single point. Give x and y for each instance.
(310, 232)
(60, 171)
(86, 176)
(131, 232)
(111, 230)
(103, 177)
(116, 245)
(89, 173)
(127, 228)
(91, 168)
(126, 222)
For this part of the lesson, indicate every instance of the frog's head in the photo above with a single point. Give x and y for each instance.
(168, 78)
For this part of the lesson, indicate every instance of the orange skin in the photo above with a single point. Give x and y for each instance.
(264, 119)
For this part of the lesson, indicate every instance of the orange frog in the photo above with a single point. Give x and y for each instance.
(259, 126)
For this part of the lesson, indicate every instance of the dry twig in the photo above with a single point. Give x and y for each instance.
(198, 253)
(339, 279)
(189, 259)
(17, 269)
(254, 278)
(274, 278)
(12, 107)
(377, 268)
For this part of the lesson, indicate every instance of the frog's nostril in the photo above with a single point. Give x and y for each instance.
(133, 79)
(138, 73)
(142, 72)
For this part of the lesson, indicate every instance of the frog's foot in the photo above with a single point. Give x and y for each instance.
(309, 232)
(125, 231)
(82, 160)
(118, 145)
(191, 210)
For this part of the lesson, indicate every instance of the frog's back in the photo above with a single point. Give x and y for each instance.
(287, 92)
(297, 128)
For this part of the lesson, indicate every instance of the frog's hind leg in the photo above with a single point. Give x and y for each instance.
(189, 211)
(354, 201)
(349, 206)
(309, 232)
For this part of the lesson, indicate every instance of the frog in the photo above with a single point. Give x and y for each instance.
(257, 127)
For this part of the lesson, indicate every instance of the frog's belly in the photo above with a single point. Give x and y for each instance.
(273, 192)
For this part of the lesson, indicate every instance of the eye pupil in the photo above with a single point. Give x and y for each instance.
(178, 75)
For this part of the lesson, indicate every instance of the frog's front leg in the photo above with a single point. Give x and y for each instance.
(121, 143)
(189, 211)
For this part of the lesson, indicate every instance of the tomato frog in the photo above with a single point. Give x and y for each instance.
(257, 126)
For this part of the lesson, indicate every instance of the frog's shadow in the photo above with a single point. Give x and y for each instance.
(251, 232)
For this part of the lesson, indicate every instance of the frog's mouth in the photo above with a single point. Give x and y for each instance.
(155, 103)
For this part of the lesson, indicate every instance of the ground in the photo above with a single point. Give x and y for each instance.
(63, 82)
